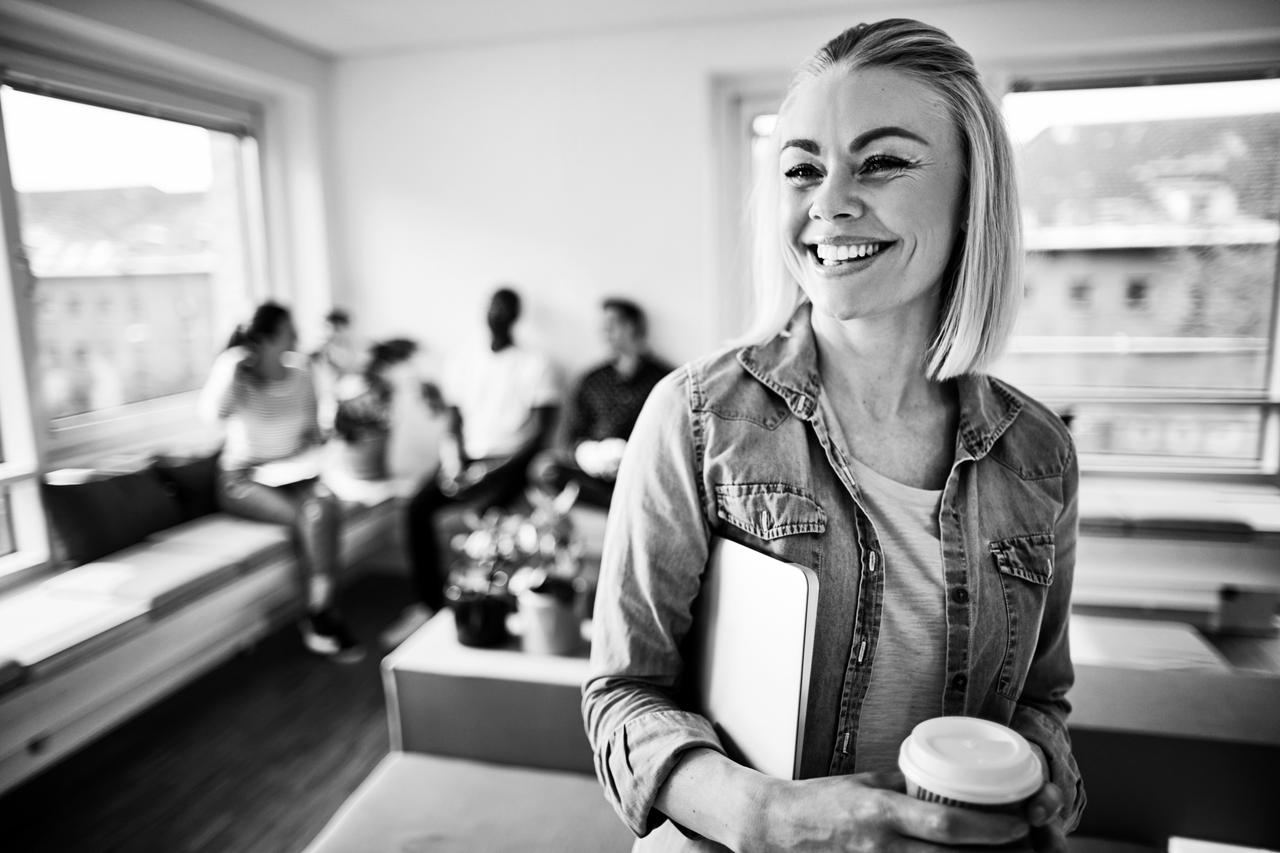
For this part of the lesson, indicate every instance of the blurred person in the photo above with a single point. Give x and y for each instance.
(857, 434)
(269, 466)
(602, 409)
(340, 351)
(341, 354)
(501, 401)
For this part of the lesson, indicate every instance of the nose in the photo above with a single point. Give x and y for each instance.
(837, 198)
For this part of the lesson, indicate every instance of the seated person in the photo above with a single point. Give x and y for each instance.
(602, 410)
(264, 393)
(502, 402)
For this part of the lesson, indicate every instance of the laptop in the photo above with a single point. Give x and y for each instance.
(751, 649)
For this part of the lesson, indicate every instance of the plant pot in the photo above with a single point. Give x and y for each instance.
(364, 458)
(549, 625)
(480, 618)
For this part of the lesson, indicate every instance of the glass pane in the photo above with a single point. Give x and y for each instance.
(1196, 435)
(134, 229)
(6, 524)
(1150, 216)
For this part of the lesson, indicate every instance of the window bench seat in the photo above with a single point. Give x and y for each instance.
(84, 649)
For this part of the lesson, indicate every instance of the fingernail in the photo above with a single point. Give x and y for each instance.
(1037, 815)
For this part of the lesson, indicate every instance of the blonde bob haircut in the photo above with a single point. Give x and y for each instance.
(983, 279)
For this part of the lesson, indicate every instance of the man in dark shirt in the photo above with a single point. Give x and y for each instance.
(602, 410)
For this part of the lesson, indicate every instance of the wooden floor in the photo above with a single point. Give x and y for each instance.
(254, 757)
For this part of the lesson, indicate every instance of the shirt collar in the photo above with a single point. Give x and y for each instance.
(788, 365)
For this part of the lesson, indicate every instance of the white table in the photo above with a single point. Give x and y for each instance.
(500, 705)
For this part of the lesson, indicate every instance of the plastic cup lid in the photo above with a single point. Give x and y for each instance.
(971, 760)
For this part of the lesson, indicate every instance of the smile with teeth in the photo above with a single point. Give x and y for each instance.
(830, 255)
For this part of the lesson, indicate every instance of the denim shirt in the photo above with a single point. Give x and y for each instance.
(743, 445)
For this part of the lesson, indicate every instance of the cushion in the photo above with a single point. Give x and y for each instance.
(100, 517)
(192, 481)
(159, 576)
(45, 632)
(240, 542)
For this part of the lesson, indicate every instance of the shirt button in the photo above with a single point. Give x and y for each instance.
(960, 595)
(960, 681)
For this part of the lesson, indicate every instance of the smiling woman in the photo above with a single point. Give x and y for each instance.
(941, 503)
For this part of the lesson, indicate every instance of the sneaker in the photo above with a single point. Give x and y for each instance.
(324, 633)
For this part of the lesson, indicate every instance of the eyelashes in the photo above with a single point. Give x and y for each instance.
(874, 166)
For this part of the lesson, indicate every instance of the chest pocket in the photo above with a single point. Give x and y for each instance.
(1027, 557)
(1025, 564)
(769, 510)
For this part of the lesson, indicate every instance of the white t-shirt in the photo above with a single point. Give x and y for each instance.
(496, 392)
(909, 669)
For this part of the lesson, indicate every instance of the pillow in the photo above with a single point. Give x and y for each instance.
(192, 481)
(101, 517)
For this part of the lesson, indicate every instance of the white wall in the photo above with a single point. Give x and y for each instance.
(580, 167)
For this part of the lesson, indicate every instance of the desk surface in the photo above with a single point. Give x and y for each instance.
(435, 648)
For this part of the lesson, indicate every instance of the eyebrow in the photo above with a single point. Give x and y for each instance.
(859, 142)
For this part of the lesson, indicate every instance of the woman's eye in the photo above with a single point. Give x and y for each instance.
(802, 173)
(881, 164)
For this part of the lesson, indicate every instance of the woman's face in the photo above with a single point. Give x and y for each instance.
(872, 192)
(285, 337)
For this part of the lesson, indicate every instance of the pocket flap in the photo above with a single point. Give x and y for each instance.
(1028, 557)
(769, 510)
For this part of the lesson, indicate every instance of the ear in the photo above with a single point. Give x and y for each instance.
(564, 501)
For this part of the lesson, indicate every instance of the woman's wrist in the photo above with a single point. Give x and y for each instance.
(753, 829)
(718, 798)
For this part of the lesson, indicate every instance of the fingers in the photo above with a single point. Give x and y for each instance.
(952, 824)
(1044, 805)
(1049, 839)
(889, 780)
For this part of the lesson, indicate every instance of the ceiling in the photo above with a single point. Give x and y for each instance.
(343, 28)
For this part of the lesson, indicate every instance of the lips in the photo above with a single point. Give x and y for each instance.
(833, 254)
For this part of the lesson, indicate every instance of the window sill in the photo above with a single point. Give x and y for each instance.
(1178, 507)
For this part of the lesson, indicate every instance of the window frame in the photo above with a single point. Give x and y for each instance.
(1173, 69)
(127, 430)
(34, 444)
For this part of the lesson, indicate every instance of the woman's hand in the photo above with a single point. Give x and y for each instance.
(871, 812)
(1043, 814)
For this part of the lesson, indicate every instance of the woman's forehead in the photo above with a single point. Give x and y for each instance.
(850, 101)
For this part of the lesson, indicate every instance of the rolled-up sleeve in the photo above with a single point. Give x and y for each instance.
(1042, 709)
(655, 550)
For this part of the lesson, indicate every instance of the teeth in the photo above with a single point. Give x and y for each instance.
(831, 255)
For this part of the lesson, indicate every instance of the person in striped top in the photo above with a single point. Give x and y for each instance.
(269, 467)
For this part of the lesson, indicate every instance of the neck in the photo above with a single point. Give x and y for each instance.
(271, 365)
(877, 361)
(627, 363)
(500, 341)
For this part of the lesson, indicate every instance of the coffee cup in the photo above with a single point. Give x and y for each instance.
(969, 762)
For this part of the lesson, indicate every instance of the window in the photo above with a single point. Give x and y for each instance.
(136, 241)
(1135, 294)
(1081, 293)
(1130, 191)
(132, 221)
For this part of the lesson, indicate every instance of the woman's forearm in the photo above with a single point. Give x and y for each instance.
(719, 799)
